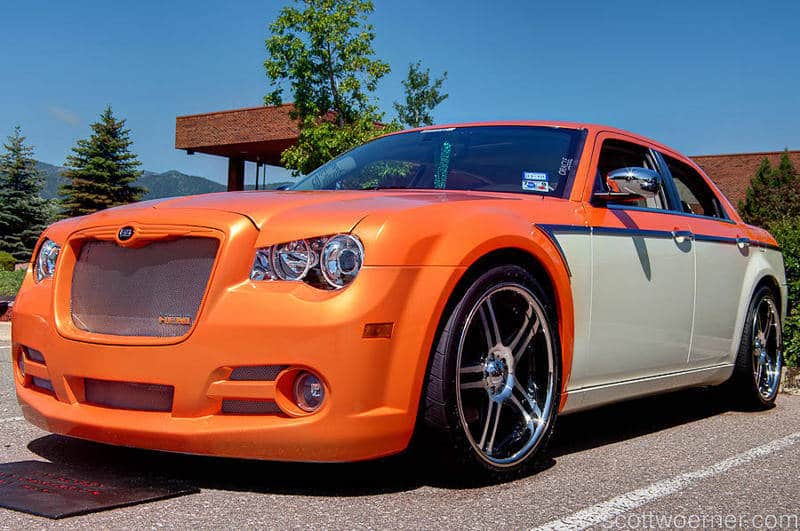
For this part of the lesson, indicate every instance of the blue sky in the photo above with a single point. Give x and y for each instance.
(702, 76)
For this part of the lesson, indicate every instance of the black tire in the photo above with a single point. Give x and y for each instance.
(743, 386)
(443, 427)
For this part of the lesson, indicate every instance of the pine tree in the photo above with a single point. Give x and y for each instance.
(23, 212)
(101, 170)
(773, 194)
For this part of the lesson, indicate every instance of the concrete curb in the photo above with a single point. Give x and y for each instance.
(5, 332)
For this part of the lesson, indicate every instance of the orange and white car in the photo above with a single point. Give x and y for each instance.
(466, 283)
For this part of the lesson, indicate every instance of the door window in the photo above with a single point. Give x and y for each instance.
(695, 194)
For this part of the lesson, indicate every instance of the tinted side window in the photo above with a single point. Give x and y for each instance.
(696, 196)
(616, 154)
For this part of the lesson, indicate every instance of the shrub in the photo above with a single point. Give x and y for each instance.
(7, 261)
(787, 232)
(10, 281)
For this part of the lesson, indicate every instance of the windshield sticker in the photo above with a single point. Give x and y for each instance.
(535, 186)
(534, 176)
(566, 165)
(534, 181)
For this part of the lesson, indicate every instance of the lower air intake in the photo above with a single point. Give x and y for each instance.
(261, 373)
(129, 395)
(232, 406)
(151, 291)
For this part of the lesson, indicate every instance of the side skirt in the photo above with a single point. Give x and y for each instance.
(590, 397)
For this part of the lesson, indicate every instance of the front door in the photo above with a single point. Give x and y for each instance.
(642, 281)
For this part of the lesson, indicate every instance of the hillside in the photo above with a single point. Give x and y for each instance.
(167, 184)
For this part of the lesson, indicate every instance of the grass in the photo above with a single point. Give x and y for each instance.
(10, 282)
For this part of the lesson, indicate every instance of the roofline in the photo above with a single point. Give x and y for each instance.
(596, 128)
(228, 111)
(750, 154)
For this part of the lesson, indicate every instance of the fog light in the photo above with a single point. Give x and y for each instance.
(308, 392)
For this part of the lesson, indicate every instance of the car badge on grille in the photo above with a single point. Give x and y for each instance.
(125, 233)
(174, 320)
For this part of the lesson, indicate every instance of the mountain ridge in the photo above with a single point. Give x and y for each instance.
(171, 183)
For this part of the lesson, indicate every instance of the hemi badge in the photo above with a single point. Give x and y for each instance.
(174, 320)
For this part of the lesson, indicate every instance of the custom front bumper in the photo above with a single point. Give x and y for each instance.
(372, 384)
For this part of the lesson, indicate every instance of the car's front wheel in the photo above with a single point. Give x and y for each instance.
(757, 375)
(493, 386)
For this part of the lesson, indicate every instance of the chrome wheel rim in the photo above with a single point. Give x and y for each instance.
(766, 345)
(505, 381)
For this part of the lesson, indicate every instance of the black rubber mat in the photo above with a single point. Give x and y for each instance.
(54, 491)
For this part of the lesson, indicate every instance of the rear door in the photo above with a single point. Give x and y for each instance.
(723, 252)
(642, 291)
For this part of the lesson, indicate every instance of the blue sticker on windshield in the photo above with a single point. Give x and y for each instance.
(535, 181)
(534, 176)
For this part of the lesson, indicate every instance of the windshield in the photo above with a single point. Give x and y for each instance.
(523, 159)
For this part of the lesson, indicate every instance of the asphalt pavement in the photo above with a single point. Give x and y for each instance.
(682, 460)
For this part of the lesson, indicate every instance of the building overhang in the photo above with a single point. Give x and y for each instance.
(256, 134)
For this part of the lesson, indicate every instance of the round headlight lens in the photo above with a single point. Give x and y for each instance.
(292, 260)
(341, 260)
(309, 393)
(46, 260)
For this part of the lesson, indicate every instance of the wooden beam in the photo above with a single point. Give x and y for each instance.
(235, 174)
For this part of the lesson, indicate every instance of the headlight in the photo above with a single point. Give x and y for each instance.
(341, 260)
(46, 260)
(291, 261)
(329, 262)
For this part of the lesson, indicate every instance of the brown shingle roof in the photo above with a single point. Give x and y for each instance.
(732, 172)
(250, 133)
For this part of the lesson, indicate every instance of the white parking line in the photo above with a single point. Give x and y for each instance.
(610, 509)
(11, 419)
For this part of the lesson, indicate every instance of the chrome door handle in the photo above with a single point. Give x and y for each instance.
(681, 236)
(743, 243)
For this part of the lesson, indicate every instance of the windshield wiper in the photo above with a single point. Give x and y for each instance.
(380, 187)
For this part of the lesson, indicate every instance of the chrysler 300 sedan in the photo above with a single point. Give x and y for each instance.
(462, 286)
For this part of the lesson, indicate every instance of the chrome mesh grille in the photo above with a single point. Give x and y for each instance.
(233, 406)
(152, 291)
(260, 373)
(129, 395)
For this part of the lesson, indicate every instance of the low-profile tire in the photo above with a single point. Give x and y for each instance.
(757, 373)
(494, 383)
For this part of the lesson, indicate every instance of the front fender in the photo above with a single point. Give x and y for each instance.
(452, 237)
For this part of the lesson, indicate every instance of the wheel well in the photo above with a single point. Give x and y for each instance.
(506, 256)
(772, 283)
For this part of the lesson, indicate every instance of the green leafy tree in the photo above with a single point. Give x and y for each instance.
(773, 202)
(773, 194)
(101, 170)
(321, 50)
(24, 214)
(422, 95)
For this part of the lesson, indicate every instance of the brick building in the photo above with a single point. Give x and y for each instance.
(732, 172)
(260, 134)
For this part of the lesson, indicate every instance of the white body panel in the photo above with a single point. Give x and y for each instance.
(641, 316)
(636, 309)
(721, 297)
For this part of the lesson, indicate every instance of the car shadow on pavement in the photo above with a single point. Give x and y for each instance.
(574, 433)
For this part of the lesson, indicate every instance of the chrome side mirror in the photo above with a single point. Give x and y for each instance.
(639, 182)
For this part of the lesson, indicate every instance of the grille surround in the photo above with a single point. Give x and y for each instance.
(152, 291)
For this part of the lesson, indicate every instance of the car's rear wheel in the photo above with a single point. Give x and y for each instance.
(493, 386)
(757, 375)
